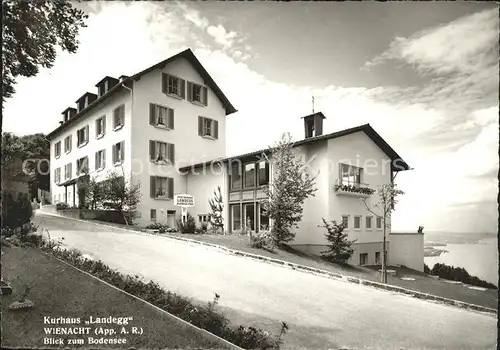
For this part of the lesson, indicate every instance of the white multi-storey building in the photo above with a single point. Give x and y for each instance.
(165, 128)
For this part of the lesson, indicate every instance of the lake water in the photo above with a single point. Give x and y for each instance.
(475, 252)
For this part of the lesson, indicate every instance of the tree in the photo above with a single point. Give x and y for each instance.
(216, 206)
(340, 249)
(123, 195)
(17, 150)
(94, 193)
(385, 205)
(290, 187)
(32, 31)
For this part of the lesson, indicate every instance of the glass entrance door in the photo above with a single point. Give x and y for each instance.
(249, 216)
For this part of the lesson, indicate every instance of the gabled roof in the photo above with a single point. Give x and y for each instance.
(186, 54)
(189, 55)
(86, 94)
(107, 77)
(397, 161)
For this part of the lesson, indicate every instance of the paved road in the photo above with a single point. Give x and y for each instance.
(322, 313)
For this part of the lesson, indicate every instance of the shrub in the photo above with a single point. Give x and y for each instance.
(459, 274)
(340, 249)
(202, 229)
(189, 226)
(62, 206)
(16, 210)
(261, 240)
(426, 269)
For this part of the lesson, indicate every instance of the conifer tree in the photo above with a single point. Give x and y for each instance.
(340, 249)
(291, 185)
(216, 206)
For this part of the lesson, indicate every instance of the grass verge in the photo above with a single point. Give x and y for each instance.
(60, 291)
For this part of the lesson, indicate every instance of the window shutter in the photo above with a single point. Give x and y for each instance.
(171, 152)
(189, 91)
(96, 127)
(103, 125)
(170, 187)
(113, 156)
(170, 121)
(152, 108)
(96, 160)
(182, 86)
(204, 96)
(216, 129)
(152, 186)
(87, 133)
(164, 81)
(104, 158)
(152, 150)
(200, 126)
(123, 114)
(122, 150)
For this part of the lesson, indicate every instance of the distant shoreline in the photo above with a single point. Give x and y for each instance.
(431, 251)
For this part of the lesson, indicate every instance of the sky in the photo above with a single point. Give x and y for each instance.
(424, 75)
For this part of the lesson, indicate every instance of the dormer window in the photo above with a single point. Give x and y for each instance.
(173, 86)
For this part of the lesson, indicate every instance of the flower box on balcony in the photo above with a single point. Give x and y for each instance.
(353, 190)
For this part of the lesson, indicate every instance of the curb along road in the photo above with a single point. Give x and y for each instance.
(311, 270)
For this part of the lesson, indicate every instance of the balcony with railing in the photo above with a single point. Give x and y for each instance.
(353, 188)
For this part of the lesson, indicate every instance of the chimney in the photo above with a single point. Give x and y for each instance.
(313, 124)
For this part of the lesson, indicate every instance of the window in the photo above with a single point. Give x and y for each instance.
(152, 215)
(173, 86)
(377, 258)
(57, 149)
(368, 220)
(67, 144)
(379, 223)
(82, 165)
(350, 175)
(235, 217)
(197, 93)
(235, 175)
(57, 177)
(363, 258)
(249, 215)
(161, 151)
(118, 152)
(162, 187)
(100, 127)
(119, 117)
(204, 218)
(263, 173)
(249, 175)
(83, 136)
(208, 127)
(345, 221)
(68, 171)
(100, 159)
(357, 222)
(263, 218)
(161, 116)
